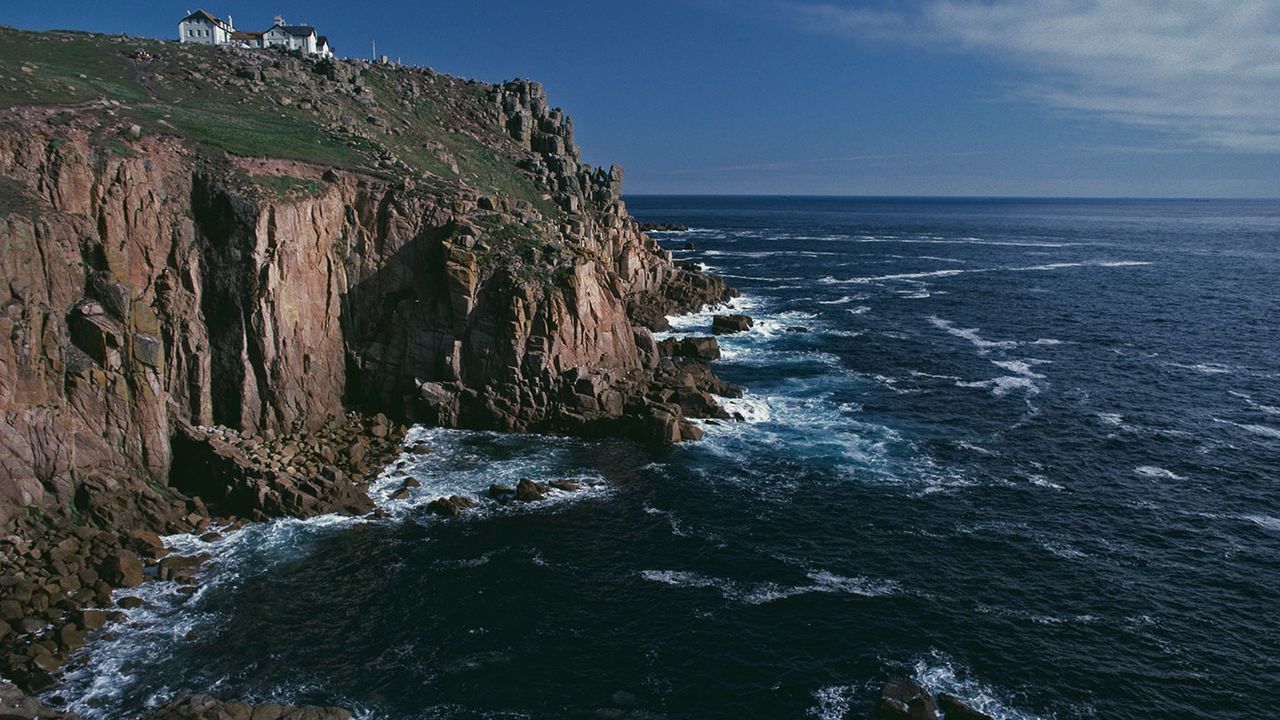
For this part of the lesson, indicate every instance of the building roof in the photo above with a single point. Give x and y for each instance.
(245, 35)
(322, 40)
(202, 15)
(299, 30)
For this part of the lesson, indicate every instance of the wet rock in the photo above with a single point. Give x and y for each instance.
(698, 348)
(529, 491)
(501, 492)
(122, 568)
(566, 485)
(957, 709)
(129, 602)
(904, 699)
(451, 506)
(181, 568)
(797, 329)
(728, 324)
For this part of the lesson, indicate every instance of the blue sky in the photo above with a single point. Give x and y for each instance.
(936, 97)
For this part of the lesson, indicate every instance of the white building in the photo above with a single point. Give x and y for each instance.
(201, 27)
(205, 29)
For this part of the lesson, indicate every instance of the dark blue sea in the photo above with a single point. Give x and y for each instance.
(1026, 451)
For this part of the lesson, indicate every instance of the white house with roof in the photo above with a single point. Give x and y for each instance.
(202, 28)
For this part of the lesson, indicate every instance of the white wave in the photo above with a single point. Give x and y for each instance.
(1248, 399)
(99, 674)
(1265, 431)
(1206, 368)
(1020, 367)
(1002, 386)
(821, 581)
(833, 702)
(843, 300)
(958, 271)
(938, 673)
(1267, 522)
(752, 409)
(460, 463)
(1111, 419)
(1154, 471)
(1044, 482)
(970, 334)
(677, 528)
(859, 310)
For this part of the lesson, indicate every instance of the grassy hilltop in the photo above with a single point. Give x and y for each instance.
(385, 120)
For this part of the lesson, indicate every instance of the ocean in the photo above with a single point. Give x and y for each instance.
(1025, 451)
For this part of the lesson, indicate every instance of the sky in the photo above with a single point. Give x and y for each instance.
(1098, 98)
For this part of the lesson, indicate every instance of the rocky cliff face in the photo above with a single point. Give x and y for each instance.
(153, 284)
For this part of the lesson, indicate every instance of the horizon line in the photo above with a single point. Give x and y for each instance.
(1258, 198)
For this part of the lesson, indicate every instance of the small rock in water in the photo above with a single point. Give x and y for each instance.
(727, 324)
(566, 485)
(501, 492)
(451, 506)
(797, 329)
(904, 699)
(529, 491)
(401, 494)
(411, 482)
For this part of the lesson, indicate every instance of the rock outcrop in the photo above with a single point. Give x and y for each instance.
(153, 287)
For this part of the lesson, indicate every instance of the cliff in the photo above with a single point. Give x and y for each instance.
(194, 237)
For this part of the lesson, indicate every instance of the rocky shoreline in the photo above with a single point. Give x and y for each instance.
(63, 574)
(68, 576)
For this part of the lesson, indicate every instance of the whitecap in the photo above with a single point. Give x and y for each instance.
(1002, 386)
(833, 702)
(821, 581)
(1267, 522)
(859, 310)
(970, 334)
(1156, 472)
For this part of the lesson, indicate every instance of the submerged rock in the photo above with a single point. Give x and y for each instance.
(905, 699)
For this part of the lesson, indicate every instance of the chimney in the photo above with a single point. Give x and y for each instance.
(231, 25)
(278, 20)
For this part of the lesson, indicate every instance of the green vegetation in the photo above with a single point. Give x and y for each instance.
(394, 123)
(286, 186)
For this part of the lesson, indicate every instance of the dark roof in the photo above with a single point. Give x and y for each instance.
(322, 40)
(299, 30)
(202, 15)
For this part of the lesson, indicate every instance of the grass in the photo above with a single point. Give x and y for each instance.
(286, 187)
(192, 92)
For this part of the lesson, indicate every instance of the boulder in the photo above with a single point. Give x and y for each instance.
(904, 699)
(122, 568)
(451, 506)
(957, 709)
(727, 324)
(566, 485)
(529, 491)
(498, 492)
(697, 348)
(444, 508)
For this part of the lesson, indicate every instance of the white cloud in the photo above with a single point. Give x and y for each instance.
(1204, 71)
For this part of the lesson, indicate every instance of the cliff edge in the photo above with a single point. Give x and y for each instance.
(257, 242)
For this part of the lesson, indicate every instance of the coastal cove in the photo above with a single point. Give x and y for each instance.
(1013, 449)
